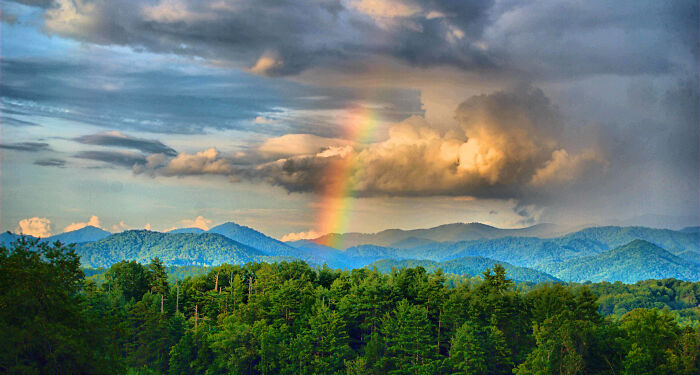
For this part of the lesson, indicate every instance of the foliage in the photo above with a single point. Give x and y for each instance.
(637, 260)
(172, 248)
(467, 266)
(46, 326)
(289, 318)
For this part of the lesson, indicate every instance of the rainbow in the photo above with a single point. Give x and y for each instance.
(334, 212)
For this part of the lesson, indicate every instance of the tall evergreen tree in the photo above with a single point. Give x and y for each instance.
(409, 344)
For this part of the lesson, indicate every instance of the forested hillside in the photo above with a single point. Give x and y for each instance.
(467, 266)
(257, 240)
(530, 252)
(289, 318)
(173, 249)
(637, 260)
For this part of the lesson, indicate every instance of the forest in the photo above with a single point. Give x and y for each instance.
(290, 318)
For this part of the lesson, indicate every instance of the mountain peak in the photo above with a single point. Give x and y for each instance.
(88, 228)
(640, 246)
(251, 237)
(229, 224)
(85, 234)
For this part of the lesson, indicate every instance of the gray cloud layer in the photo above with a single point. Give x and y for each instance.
(164, 100)
(120, 158)
(502, 37)
(116, 139)
(6, 120)
(51, 162)
(26, 146)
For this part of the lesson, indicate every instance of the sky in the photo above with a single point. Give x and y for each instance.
(299, 118)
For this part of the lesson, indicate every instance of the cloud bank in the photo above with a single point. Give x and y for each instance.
(26, 146)
(514, 37)
(508, 145)
(117, 139)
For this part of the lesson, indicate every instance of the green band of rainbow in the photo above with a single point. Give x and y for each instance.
(334, 214)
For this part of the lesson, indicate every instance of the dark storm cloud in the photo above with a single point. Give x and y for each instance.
(544, 38)
(565, 39)
(119, 158)
(26, 146)
(115, 139)
(51, 162)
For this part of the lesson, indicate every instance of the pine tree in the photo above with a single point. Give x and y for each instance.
(480, 349)
(158, 277)
(329, 340)
(409, 343)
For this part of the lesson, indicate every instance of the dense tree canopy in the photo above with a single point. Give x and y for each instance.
(289, 318)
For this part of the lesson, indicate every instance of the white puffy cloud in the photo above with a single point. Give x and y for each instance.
(199, 222)
(34, 226)
(94, 221)
(310, 235)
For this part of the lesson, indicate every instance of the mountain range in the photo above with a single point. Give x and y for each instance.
(449, 232)
(85, 234)
(637, 260)
(537, 253)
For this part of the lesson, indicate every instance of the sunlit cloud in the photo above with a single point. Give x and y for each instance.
(198, 222)
(299, 144)
(309, 235)
(507, 142)
(94, 221)
(34, 226)
(268, 64)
